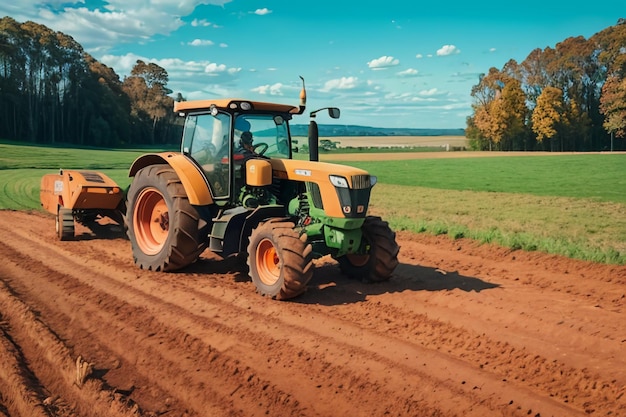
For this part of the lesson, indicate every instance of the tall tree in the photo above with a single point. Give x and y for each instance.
(500, 111)
(147, 89)
(547, 116)
(613, 99)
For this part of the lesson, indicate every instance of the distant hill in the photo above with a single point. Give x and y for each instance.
(353, 130)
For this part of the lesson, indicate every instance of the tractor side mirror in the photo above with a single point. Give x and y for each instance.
(334, 112)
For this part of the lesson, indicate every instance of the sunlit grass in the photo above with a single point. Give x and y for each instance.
(597, 176)
(572, 205)
(578, 228)
(22, 166)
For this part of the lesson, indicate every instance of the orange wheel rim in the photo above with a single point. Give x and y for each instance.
(151, 221)
(268, 262)
(358, 260)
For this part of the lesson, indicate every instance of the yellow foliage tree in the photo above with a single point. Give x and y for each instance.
(613, 99)
(548, 113)
(503, 116)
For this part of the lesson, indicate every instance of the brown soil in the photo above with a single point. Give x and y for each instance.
(459, 330)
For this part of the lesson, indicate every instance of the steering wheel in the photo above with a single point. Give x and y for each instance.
(260, 148)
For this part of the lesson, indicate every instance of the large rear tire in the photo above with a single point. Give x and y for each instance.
(163, 227)
(379, 257)
(65, 224)
(280, 260)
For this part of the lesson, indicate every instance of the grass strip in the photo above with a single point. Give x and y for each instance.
(576, 228)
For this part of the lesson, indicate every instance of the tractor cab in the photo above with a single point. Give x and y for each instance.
(221, 141)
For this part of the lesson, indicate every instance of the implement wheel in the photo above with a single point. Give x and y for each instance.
(280, 260)
(378, 257)
(163, 227)
(65, 224)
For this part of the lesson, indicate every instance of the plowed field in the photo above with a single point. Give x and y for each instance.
(459, 330)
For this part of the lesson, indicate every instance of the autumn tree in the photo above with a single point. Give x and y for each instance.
(500, 110)
(613, 99)
(547, 116)
(590, 104)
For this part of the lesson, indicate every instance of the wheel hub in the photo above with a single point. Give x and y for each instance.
(268, 262)
(151, 221)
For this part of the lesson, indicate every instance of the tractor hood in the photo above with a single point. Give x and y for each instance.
(342, 191)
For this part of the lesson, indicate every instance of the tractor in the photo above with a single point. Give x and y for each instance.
(235, 189)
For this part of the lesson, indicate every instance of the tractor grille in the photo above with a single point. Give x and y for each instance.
(316, 195)
(360, 182)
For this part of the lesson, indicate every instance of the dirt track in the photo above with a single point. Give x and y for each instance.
(460, 330)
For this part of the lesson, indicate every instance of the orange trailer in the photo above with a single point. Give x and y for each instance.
(82, 196)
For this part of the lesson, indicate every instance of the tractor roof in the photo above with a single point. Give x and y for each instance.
(232, 104)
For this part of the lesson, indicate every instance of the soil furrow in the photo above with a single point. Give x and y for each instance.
(136, 318)
(461, 329)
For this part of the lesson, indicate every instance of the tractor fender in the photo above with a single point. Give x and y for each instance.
(193, 180)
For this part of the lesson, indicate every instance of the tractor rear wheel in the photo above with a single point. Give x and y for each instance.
(280, 260)
(379, 257)
(163, 227)
(65, 224)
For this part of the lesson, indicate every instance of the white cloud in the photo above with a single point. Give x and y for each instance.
(419, 56)
(410, 72)
(492, 49)
(223, 45)
(213, 68)
(262, 12)
(115, 22)
(343, 83)
(179, 71)
(200, 22)
(272, 90)
(383, 62)
(448, 50)
(200, 42)
(430, 92)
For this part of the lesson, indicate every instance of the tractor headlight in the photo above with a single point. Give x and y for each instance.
(338, 181)
(373, 180)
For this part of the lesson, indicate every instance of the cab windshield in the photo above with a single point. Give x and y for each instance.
(268, 135)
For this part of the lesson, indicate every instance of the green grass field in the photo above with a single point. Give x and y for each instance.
(572, 205)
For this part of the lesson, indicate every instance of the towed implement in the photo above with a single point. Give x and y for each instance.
(84, 196)
(235, 189)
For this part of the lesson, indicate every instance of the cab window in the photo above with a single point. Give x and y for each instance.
(205, 139)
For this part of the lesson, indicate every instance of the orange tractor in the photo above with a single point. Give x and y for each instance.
(234, 188)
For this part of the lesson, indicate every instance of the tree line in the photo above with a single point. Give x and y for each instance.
(52, 91)
(568, 98)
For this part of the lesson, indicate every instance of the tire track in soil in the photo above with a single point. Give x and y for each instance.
(406, 347)
(16, 383)
(103, 306)
(42, 365)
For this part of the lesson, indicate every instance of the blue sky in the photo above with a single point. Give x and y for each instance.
(385, 63)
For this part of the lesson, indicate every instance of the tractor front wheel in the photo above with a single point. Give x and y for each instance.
(163, 227)
(280, 260)
(379, 255)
